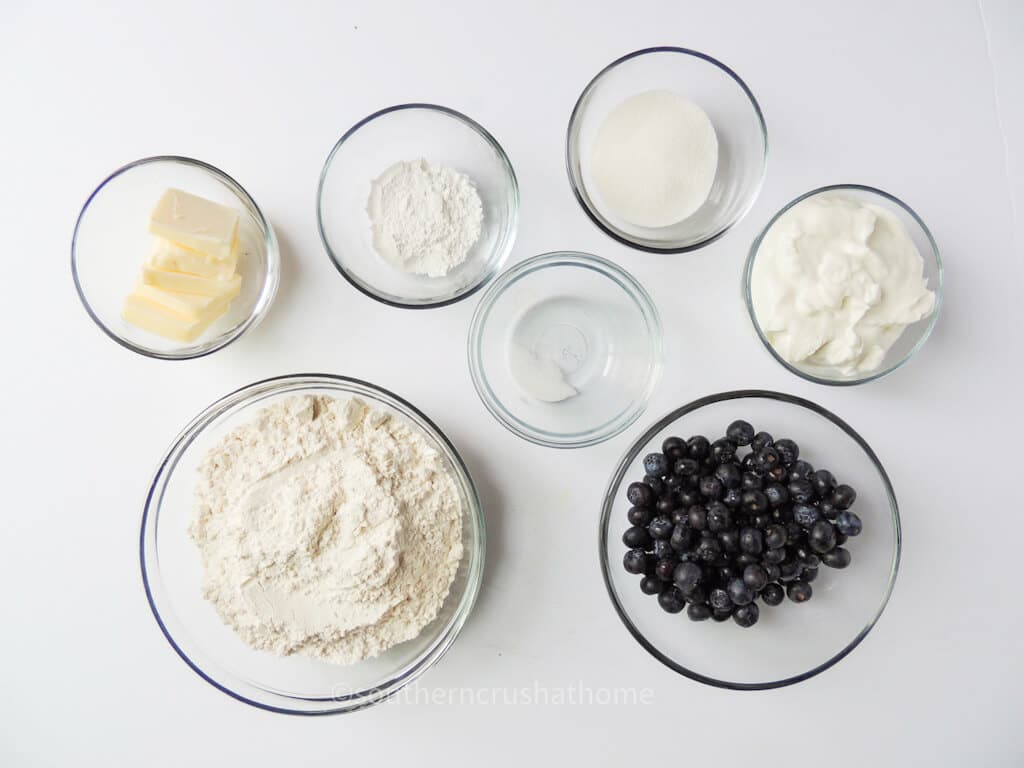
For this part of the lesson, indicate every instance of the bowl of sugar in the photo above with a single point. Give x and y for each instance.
(666, 149)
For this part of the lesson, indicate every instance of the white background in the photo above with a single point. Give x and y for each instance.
(921, 99)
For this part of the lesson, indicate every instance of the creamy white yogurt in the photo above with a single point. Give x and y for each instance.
(835, 282)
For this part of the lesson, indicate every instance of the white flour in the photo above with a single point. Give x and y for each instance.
(425, 217)
(328, 528)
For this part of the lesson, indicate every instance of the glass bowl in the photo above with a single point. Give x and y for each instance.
(738, 122)
(171, 570)
(791, 642)
(408, 132)
(912, 338)
(592, 324)
(111, 242)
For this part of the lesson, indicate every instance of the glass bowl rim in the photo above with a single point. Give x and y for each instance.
(871, 375)
(644, 440)
(513, 197)
(607, 269)
(474, 515)
(270, 281)
(577, 184)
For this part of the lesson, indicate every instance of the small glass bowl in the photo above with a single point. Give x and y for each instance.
(111, 242)
(588, 317)
(738, 122)
(912, 338)
(408, 132)
(790, 642)
(171, 570)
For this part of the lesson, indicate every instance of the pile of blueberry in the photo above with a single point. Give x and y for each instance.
(713, 530)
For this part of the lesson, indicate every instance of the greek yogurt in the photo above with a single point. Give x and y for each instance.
(835, 282)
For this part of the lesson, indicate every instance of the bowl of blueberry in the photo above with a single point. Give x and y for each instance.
(750, 539)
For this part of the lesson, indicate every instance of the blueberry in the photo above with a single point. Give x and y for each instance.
(729, 475)
(732, 498)
(655, 464)
(743, 559)
(665, 569)
(656, 484)
(788, 450)
(639, 515)
(686, 467)
(697, 595)
(801, 470)
(662, 549)
(805, 514)
(772, 594)
(698, 612)
(848, 523)
(754, 502)
(772, 570)
(675, 484)
(761, 440)
(766, 459)
(681, 538)
(672, 600)
(793, 532)
(828, 509)
(747, 615)
(709, 549)
(724, 574)
(680, 516)
(789, 570)
(774, 536)
(809, 574)
(660, 527)
(752, 482)
(755, 576)
(740, 432)
(777, 495)
(687, 576)
(751, 541)
(652, 585)
(674, 448)
(822, 537)
(777, 474)
(635, 537)
(723, 450)
(837, 558)
(640, 495)
(666, 505)
(698, 517)
(698, 447)
(747, 463)
(710, 487)
(841, 538)
(718, 517)
(635, 561)
(801, 491)
(774, 556)
(799, 591)
(824, 483)
(739, 592)
(730, 540)
(689, 497)
(843, 497)
(718, 598)
(721, 614)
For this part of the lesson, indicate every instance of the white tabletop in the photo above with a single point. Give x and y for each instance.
(923, 100)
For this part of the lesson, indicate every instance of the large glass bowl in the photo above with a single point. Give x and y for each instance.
(586, 316)
(913, 337)
(111, 242)
(409, 132)
(738, 123)
(171, 570)
(791, 642)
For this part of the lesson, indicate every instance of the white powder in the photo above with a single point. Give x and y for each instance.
(327, 528)
(425, 217)
(654, 158)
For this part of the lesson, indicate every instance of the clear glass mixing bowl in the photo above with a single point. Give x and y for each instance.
(790, 642)
(171, 570)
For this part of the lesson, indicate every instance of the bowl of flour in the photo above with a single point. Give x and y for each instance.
(417, 206)
(311, 544)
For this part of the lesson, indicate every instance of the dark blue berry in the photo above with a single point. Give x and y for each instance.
(698, 612)
(640, 495)
(681, 538)
(801, 470)
(843, 497)
(822, 537)
(718, 598)
(652, 585)
(824, 483)
(636, 537)
(710, 487)
(848, 523)
(687, 576)
(761, 440)
(774, 536)
(788, 451)
(755, 576)
(754, 502)
(752, 482)
(740, 432)
(698, 447)
(751, 541)
(801, 491)
(729, 475)
(837, 558)
(772, 594)
(709, 549)
(697, 517)
(672, 600)
(799, 591)
(730, 540)
(660, 528)
(635, 561)
(662, 549)
(723, 450)
(639, 515)
(656, 464)
(739, 592)
(674, 448)
(732, 498)
(747, 615)
(805, 515)
(718, 517)
(665, 569)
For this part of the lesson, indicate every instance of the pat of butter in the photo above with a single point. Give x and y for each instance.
(195, 222)
(180, 317)
(171, 257)
(182, 282)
